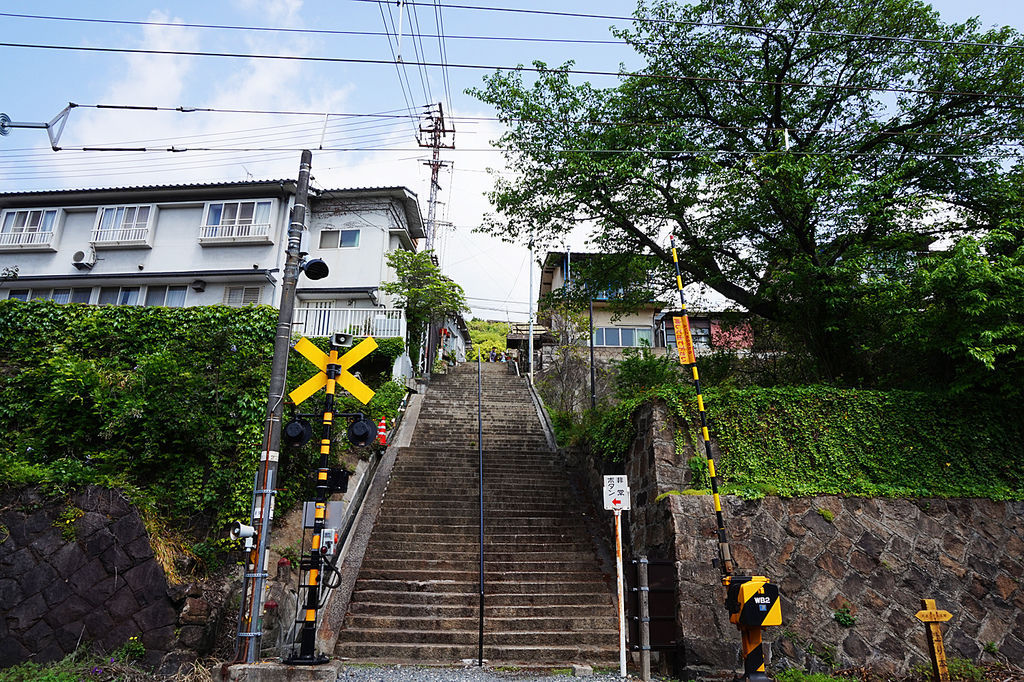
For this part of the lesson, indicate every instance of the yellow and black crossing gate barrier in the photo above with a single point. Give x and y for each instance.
(753, 601)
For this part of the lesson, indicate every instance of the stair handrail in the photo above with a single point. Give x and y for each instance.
(480, 446)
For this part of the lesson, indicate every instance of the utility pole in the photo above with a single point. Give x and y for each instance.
(250, 615)
(436, 137)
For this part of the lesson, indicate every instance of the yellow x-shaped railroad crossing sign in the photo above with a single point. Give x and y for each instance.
(358, 389)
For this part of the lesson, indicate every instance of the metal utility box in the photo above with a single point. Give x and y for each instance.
(334, 512)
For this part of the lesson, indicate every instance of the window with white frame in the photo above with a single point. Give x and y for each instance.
(119, 296)
(241, 296)
(19, 294)
(27, 227)
(623, 336)
(169, 296)
(339, 239)
(122, 223)
(237, 219)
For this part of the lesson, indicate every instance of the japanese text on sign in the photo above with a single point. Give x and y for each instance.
(684, 341)
(616, 492)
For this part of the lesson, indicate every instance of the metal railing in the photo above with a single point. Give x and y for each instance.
(26, 238)
(121, 234)
(254, 231)
(376, 322)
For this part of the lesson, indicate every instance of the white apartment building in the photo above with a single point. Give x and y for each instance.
(206, 244)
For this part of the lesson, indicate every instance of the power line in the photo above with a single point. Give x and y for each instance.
(529, 69)
(398, 70)
(441, 35)
(712, 24)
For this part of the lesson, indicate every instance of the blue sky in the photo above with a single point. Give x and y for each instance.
(38, 83)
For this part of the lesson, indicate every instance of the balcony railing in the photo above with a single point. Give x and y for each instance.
(376, 322)
(26, 240)
(229, 234)
(121, 236)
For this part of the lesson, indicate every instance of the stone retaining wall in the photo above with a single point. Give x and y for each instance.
(80, 573)
(875, 557)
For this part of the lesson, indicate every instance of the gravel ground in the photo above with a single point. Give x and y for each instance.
(402, 673)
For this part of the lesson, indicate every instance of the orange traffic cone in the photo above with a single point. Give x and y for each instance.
(382, 432)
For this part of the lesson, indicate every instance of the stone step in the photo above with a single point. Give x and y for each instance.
(398, 552)
(472, 599)
(471, 563)
(510, 574)
(429, 623)
(374, 652)
(511, 637)
(440, 509)
(472, 586)
(523, 612)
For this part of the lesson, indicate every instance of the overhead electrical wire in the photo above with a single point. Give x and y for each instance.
(713, 24)
(442, 48)
(420, 52)
(407, 95)
(529, 69)
(439, 34)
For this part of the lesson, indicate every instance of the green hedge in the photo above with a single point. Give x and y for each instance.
(809, 440)
(166, 403)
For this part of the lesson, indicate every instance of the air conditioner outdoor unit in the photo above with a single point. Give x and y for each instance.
(83, 260)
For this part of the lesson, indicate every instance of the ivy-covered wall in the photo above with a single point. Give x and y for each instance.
(814, 440)
(166, 404)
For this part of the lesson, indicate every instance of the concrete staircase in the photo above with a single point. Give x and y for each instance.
(548, 602)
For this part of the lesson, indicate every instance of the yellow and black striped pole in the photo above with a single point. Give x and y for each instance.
(313, 563)
(684, 342)
(753, 602)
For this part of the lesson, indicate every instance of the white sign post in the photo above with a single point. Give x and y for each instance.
(616, 498)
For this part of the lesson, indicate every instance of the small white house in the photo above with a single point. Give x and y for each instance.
(204, 244)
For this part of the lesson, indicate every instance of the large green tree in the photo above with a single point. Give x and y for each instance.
(427, 296)
(797, 150)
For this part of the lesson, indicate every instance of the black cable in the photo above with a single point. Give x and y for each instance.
(532, 39)
(407, 96)
(528, 69)
(711, 24)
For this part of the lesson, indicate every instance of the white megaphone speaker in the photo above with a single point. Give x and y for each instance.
(240, 531)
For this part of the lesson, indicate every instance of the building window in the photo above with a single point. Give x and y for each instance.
(701, 335)
(623, 336)
(335, 239)
(76, 295)
(169, 297)
(28, 227)
(119, 296)
(237, 219)
(240, 296)
(122, 223)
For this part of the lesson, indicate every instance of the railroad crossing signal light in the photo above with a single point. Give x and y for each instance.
(315, 268)
(357, 388)
(297, 432)
(362, 432)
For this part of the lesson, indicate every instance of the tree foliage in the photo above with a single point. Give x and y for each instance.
(426, 295)
(488, 334)
(794, 157)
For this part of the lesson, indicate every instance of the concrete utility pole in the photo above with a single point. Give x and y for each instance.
(250, 616)
(436, 133)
